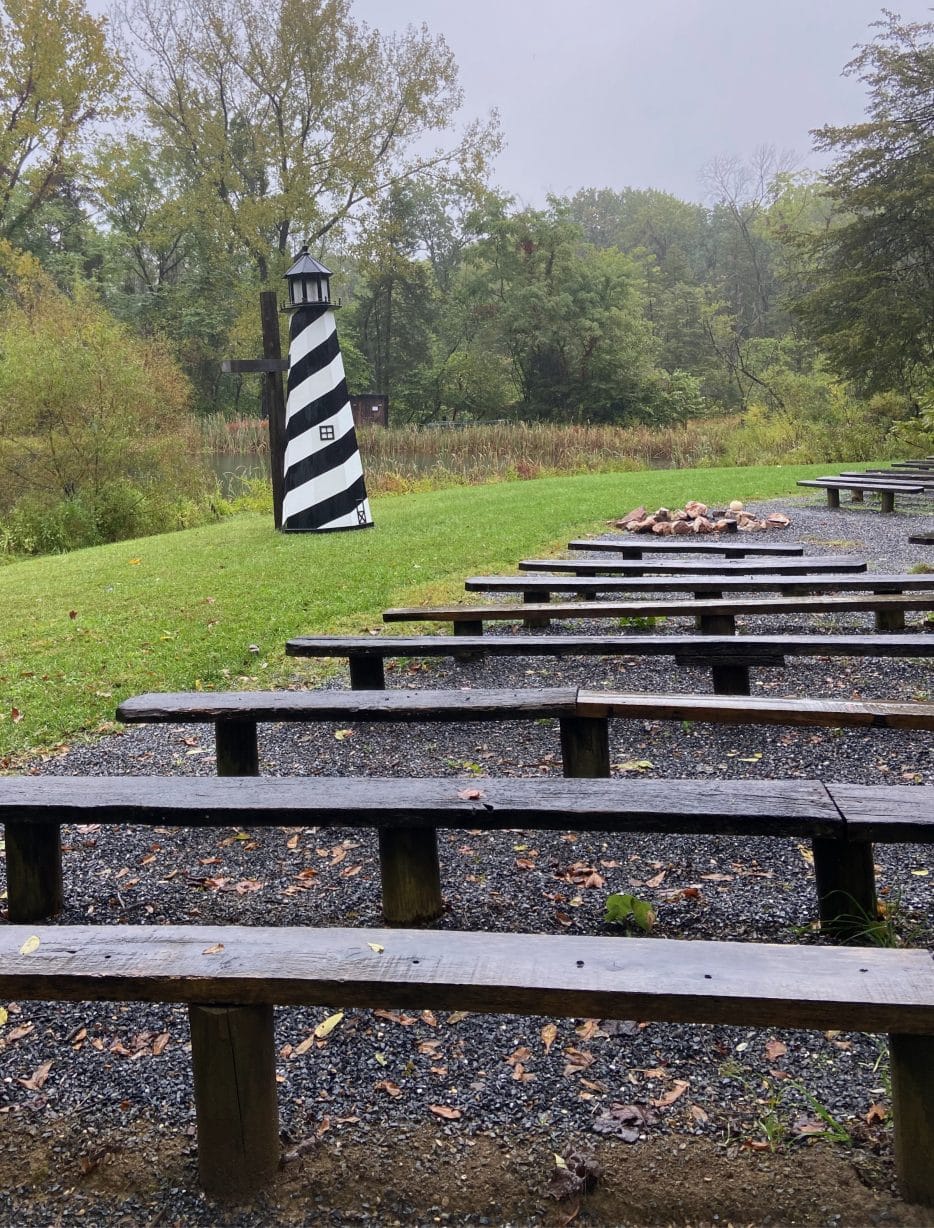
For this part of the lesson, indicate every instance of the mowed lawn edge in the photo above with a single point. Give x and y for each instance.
(212, 607)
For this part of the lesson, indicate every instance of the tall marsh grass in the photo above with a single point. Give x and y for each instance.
(404, 459)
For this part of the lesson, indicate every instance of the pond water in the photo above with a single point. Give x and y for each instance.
(232, 468)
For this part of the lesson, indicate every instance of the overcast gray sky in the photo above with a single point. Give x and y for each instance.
(642, 93)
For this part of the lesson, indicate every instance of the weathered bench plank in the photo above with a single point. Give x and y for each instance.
(828, 563)
(876, 582)
(887, 493)
(729, 657)
(747, 710)
(232, 976)
(715, 616)
(636, 545)
(886, 813)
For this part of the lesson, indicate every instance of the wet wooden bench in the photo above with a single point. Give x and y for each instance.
(731, 546)
(729, 657)
(858, 486)
(712, 616)
(828, 564)
(231, 978)
(584, 721)
(842, 822)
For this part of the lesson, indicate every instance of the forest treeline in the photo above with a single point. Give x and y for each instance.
(159, 167)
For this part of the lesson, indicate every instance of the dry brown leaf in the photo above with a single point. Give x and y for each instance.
(394, 1017)
(304, 1046)
(877, 1112)
(457, 1017)
(442, 1110)
(698, 1114)
(36, 1080)
(159, 1044)
(656, 880)
(390, 1088)
(470, 795)
(549, 1033)
(774, 1049)
(675, 1092)
(213, 950)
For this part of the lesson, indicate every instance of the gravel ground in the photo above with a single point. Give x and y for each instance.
(106, 1134)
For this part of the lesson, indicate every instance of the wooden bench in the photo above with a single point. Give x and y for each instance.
(887, 493)
(828, 564)
(894, 476)
(231, 977)
(539, 588)
(584, 717)
(636, 546)
(840, 821)
(729, 657)
(713, 617)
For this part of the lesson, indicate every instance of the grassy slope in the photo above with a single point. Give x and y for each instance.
(79, 632)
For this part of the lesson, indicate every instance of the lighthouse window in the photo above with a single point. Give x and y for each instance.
(327, 432)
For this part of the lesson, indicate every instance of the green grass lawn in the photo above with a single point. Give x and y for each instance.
(213, 607)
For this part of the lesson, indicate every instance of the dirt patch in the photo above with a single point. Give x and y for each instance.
(426, 1175)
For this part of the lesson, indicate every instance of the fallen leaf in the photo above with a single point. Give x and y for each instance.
(376, 948)
(304, 1046)
(37, 1079)
(698, 1114)
(15, 715)
(674, 1093)
(775, 1049)
(390, 1088)
(342, 734)
(18, 1033)
(624, 1121)
(442, 1110)
(470, 795)
(72, 613)
(635, 765)
(876, 1113)
(213, 950)
(3, 1016)
(30, 945)
(656, 880)
(549, 1033)
(394, 1017)
(327, 1026)
(160, 1043)
(134, 562)
(457, 1017)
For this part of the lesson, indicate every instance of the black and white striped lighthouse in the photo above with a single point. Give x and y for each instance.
(324, 487)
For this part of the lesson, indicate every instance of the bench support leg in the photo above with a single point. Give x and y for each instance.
(233, 1056)
(585, 746)
(33, 871)
(716, 624)
(846, 888)
(912, 1061)
(856, 496)
(888, 500)
(833, 497)
(410, 874)
(890, 620)
(730, 679)
(237, 751)
(539, 620)
(467, 626)
(366, 673)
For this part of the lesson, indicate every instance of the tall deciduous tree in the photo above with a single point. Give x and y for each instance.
(57, 78)
(872, 301)
(283, 117)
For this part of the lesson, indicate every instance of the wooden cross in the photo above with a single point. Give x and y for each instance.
(270, 366)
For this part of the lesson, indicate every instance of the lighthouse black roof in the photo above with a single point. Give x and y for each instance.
(306, 264)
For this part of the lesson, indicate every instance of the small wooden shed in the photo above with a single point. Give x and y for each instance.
(370, 409)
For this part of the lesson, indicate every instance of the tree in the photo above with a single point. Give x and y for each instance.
(568, 316)
(284, 117)
(871, 301)
(83, 403)
(57, 80)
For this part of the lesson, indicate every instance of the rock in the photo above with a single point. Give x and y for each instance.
(701, 525)
(722, 525)
(693, 508)
(637, 513)
(663, 514)
(680, 514)
(664, 528)
(736, 506)
(680, 527)
(778, 520)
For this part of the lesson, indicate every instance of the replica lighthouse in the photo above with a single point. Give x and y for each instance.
(324, 488)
